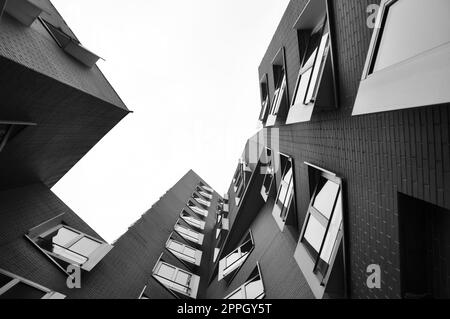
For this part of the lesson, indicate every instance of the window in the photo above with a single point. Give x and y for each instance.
(229, 265)
(285, 195)
(201, 201)
(206, 188)
(252, 289)
(269, 175)
(189, 234)
(239, 194)
(71, 46)
(280, 95)
(400, 47)
(9, 129)
(23, 11)
(264, 87)
(184, 252)
(175, 279)
(15, 287)
(68, 245)
(198, 210)
(191, 220)
(204, 194)
(322, 231)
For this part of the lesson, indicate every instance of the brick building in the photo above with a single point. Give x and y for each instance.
(348, 180)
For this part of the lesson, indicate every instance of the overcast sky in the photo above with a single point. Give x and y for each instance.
(189, 71)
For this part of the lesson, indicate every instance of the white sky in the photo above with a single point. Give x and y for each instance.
(189, 71)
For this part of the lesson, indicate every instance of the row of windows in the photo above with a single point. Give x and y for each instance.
(399, 47)
(189, 227)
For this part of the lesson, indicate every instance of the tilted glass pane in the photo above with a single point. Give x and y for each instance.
(326, 196)
(232, 258)
(23, 291)
(62, 236)
(63, 252)
(176, 246)
(314, 233)
(303, 86)
(412, 27)
(85, 246)
(186, 232)
(333, 231)
(166, 271)
(188, 251)
(238, 294)
(280, 96)
(316, 69)
(254, 288)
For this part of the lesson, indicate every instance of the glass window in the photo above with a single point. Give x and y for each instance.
(188, 233)
(279, 93)
(324, 222)
(198, 210)
(285, 193)
(182, 251)
(188, 218)
(252, 289)
(20, 288)
(202, 201)
(313, 62)
(411, 28)
(236, 258)
(68, 244)
(176, 279)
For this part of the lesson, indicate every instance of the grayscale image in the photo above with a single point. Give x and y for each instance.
(224, 149)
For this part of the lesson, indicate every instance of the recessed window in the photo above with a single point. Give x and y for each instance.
(68, 245)
(184, 252)
(322, 231)
(191, 220)
(407, 62)
(206, 195)
(269, 176)
(196, 209)
(206, 188)
(285, 194)
(189, 234)
(252, 289)
(280, 97)
(175, 279)
(229, 265)
(264, 90)
(15, 287)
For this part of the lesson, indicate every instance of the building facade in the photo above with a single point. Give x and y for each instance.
(344, 192)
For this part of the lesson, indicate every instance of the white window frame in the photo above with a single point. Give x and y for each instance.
(286, 202)
(172, 285)
(200, 200)
(250, 280)
(200, 211)
(415, 82)
(52, 225)
(225, 270)
(179, 229)
(308, 262)
(191, 220)
(180, 254)
(15, 279)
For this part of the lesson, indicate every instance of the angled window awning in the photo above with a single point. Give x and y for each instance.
(71, 46)
(23, 11)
